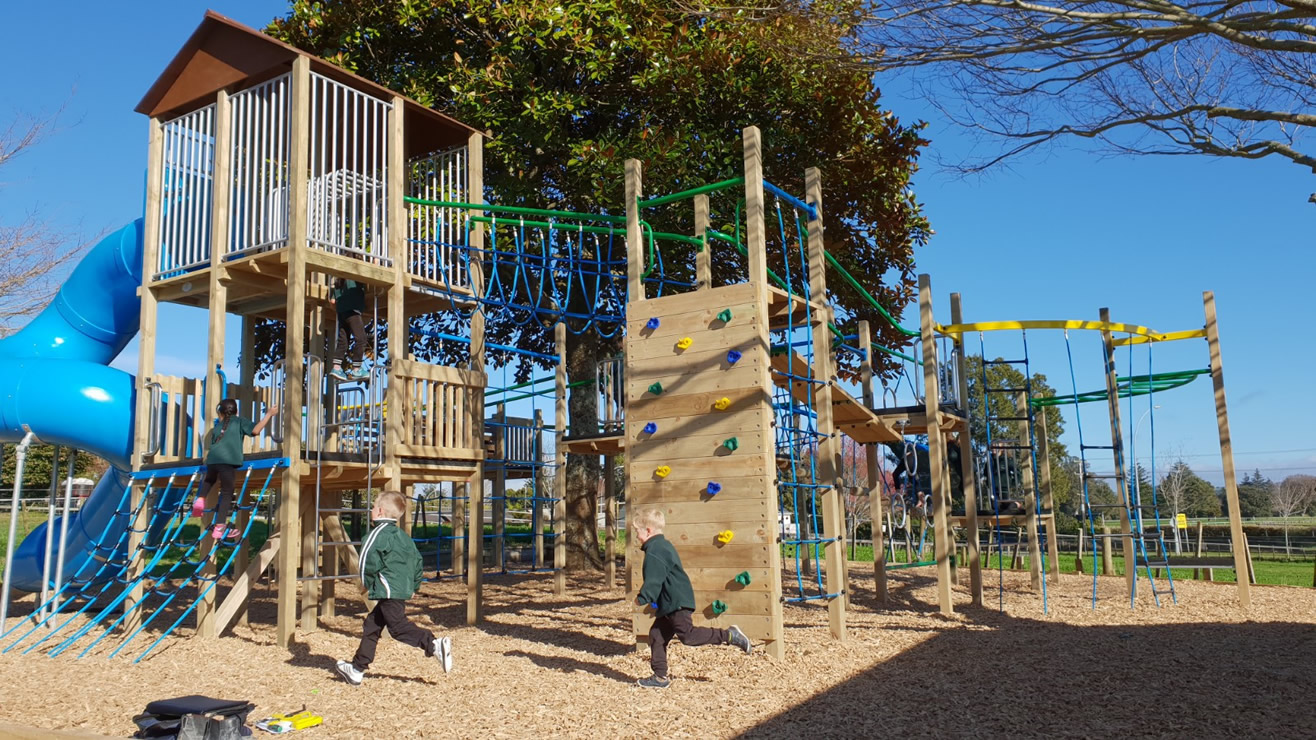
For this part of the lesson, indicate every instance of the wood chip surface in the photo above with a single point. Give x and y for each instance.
(552, 666)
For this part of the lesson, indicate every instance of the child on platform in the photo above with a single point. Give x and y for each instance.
(224, 455)
(667, 585)
(349, 299)
(391, 573)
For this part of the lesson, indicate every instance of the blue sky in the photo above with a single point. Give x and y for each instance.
(1056, 236)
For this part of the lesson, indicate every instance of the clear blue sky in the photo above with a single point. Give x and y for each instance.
(1056, 237)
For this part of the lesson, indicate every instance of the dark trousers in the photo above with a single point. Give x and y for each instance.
(678, 624)
(223, 474)
(351, 329)
(390, 613)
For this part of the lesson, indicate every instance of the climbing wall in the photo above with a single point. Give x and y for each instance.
(700, 447)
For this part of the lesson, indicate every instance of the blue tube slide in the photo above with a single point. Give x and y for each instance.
(54, 380)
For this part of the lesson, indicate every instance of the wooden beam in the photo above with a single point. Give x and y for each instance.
(146, 343)
(872, 454)
(968, 477)
(290, 493)
(1048, 501)
(1117, 441)
(936, 446)
(560, 461)
(703, 258)
(609, 522)
(634, 239)
(398, 334)
(218, 312)
(1226, 449)
(475, 484)
(1021, 407)
(235, 603)
(829, 446)
(246, 400)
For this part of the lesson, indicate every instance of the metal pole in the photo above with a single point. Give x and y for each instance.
(21, 453)
(50, 524)
(64, 527)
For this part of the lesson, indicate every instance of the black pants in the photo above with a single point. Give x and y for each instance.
(224, 474)
(351, 329)
(678, 624)
(390, 613)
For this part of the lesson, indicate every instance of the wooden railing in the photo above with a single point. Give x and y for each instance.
(181, 412)
(439, 418)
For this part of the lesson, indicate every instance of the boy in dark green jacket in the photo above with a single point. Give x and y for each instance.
(667, 588)
(391, 573)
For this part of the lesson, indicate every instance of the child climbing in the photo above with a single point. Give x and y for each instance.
(391, 573)
(223, 456)
(349, 299)
(667, 585)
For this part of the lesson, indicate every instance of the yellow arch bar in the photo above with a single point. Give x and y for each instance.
(1141, 333)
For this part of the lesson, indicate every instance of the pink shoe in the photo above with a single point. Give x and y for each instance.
(220, 532)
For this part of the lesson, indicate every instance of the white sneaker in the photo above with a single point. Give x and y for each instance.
(443, 651)
(349, 672)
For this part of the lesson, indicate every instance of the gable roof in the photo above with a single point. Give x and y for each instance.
(222, 53)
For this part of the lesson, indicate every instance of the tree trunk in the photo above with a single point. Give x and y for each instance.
(583, 471)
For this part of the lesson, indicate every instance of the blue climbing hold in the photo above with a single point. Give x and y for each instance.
(650, 428)
(714, 488)
(733, 357)
(651, 324)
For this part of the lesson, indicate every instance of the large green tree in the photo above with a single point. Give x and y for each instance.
(569, 90)
(37, 466)
(1255, 493)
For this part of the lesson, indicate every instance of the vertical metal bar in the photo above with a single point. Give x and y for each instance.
(50, 526)
(21, 459)
(64, 528)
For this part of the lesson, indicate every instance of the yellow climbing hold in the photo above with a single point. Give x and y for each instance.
(685, 343)
(725, 536)
(722, 404)
(663, 471)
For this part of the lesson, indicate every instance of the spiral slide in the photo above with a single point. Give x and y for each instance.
(55, 381)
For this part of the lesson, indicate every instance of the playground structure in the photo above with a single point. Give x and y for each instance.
(272, 172)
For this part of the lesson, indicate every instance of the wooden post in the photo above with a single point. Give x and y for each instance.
(634, 239)
(1226, 445)
(703, 258)
(936, 444)
(1107, 558)
(1117, 440)
(1021, 407)
(460, 500)
(475, 484)
(1251, 572)
(610, 522)
(246, 407)
(499, 496)
(294, 371)
(1078, 561)
(560, 462)
(145, 352)
(1048, 501)
(537, 478)
(310, 551)
(756, 245)
(967, 478)
(829, 446)
(871, 453)
(395, 423)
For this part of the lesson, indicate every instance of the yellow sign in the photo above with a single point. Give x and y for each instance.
(1181, 521)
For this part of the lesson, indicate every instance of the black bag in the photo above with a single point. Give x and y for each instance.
(194, 718)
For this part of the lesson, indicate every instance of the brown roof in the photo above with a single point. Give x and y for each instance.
(222, 53)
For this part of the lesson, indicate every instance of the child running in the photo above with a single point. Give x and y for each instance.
(391, 573)
(667, 585)
(349, 298)
(223, 456)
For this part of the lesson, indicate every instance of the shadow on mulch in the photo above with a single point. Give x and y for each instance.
(571, 665)
(1030, 677)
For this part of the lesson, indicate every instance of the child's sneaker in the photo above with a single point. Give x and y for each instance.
(349, 672)
(222, 532)
(738, 638)
(655, 682)
(359, 373)
(443, 651)
(338, 374)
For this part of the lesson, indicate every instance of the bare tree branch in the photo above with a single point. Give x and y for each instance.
(33, 254)
(1225, 78)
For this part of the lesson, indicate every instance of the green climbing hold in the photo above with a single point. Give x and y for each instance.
(724, 315)
(731, 443)
(656, 388)
(719, 607)
(743, 578)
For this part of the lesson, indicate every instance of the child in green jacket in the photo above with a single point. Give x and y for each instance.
(391, 573)
(668, 588)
